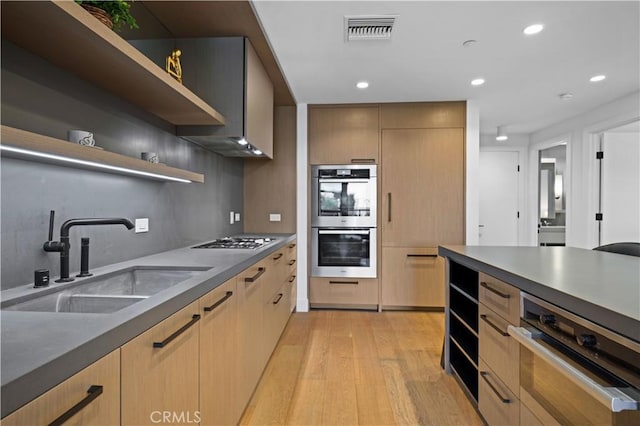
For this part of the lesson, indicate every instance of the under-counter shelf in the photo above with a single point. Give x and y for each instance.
(74, 155)
(68, 36)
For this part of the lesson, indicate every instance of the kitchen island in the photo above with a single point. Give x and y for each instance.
(42, 349)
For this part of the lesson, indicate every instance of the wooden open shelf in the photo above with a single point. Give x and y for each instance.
(68, 36)
(23, 139)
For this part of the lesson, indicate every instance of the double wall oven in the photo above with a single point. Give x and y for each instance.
(573, 371)
(343, 221)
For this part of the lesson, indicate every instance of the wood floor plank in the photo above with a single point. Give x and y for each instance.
(340, 404)
(307, 403)
(368, 370)
(374, 407)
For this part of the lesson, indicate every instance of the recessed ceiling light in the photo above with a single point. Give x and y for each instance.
(596, 78)
(477, 82)
(565, 96)
(533, 29)
(469, 43)
(362, 85)
(257, 152)
(502, 134)
(242, 141)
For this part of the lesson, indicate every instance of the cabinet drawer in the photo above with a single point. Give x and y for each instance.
(291, 254)
(293, 282)
(500, 352)
(276, 315)
(103, 410)
(356, 292)
(412, 277)
(500, 297)
(497, 404)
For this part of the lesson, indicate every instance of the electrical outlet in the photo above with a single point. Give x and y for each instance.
(237, 217)
(142, 225)
(231, 217)
(275, 217)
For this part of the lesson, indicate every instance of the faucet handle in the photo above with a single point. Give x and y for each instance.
(52, 215)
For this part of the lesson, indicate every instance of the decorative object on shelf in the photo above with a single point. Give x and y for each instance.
(174, 68)
(81, 137)
(111, 13)
(151, 157)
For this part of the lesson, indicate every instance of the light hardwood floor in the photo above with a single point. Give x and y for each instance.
(357, 368)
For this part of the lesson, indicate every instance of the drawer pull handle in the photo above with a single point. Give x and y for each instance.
(165, 342)
(363, 160)
(292, 279)
(421, 255)
(219, 302)
(388, 207)
(292, 245)
(292, 261)
(278, 256)
(493, 290)
(261, 271)
(275, 302)
(344, 282)
(484, 375)
(495, 327)
(93, 392)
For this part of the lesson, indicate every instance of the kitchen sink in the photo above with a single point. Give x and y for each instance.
(105, 293)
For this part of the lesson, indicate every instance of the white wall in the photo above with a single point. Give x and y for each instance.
(582, 190)
(472, 188)
(302, 174)
(519, 143)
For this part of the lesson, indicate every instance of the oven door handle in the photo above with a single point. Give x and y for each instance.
(613, 398)
(342, 180)
(343, 232)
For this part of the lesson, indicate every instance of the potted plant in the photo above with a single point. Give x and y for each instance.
(111, 13)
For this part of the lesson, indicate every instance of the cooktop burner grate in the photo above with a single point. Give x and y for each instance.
(236, 243)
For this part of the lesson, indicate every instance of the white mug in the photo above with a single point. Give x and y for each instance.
(81, 137)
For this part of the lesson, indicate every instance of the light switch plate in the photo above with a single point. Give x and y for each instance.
(274, 217)
(237, 217)
(142, 225)
(231, 216)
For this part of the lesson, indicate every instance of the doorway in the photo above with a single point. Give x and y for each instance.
(552, 195)
(498, 186)
(618, 216)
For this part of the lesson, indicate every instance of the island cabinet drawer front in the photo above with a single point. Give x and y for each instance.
(500, 352)
(497, 404)
(502, 298)
(103, 409)
(343, 291)
(412, 277)
(160, 370)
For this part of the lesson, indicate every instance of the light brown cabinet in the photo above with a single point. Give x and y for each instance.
(343, 134)
(343, 292)
(160, 369)
(218, 333)
(292, 259)
(422, 187)
(412, 277)
(97, 386)
(498, 405)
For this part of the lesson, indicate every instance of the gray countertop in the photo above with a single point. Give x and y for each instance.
(41, 349)
(602, 287)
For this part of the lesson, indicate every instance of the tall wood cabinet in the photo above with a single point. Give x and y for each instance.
(422, 198)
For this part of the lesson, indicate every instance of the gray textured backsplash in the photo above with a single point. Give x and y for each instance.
(41, 98)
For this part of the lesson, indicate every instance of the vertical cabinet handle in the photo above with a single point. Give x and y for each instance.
(275, 302)
(165, 342)
(278, 256)
(388, 207)
(292, 245)
(219, 302)
(93, 392)
(504, 400)
(493, 290)
(261, 271)
(492, 325)
(291, 262)
(292, 279)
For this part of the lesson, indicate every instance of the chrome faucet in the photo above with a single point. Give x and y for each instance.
(63, 245)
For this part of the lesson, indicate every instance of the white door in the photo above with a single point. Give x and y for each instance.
(620, 188)
(498, 198)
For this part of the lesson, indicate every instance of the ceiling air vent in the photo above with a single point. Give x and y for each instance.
(368, 27)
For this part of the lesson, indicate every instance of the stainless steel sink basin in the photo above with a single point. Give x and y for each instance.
(105, 293)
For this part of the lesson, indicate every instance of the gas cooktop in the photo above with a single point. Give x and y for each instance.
(236, 243)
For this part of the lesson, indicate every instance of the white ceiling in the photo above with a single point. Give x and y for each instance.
(425, 59)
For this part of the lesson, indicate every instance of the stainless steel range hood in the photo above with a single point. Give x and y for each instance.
(227, 74)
